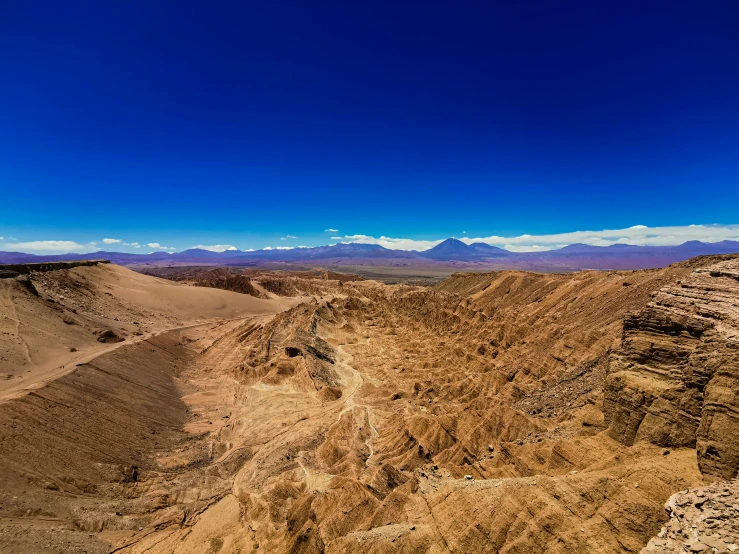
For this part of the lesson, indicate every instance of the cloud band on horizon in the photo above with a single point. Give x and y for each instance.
(638, 235)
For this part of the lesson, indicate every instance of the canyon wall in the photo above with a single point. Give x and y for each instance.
(674, 379)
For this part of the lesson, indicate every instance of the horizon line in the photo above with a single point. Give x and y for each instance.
(636, 235)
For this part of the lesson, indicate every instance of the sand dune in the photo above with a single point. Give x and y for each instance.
(45, 335)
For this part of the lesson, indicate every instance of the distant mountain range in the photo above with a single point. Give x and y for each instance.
(451, 252)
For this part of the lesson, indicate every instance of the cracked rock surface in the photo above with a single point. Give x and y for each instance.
(701, 520)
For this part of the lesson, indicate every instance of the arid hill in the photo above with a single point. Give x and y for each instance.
(257, 282)
(496, 412)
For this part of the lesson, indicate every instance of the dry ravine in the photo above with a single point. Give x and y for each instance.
(499, 412)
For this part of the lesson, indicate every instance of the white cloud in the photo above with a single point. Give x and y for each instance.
(531, 248)
(639, 235)
(134, 244)
(51, 246)
(278, 248)
(216, 247)
(330, 230)
(2, 238)
(287, 237)
(394, 243)
(159, 246)
(336, 238)
(111, 241)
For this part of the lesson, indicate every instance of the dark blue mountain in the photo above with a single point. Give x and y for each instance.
(455, 250)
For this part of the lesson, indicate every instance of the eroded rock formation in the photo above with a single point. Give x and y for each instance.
(701, 520)
(674, 380)
(468, 417)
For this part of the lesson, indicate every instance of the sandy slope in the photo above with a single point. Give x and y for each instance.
(39, 332)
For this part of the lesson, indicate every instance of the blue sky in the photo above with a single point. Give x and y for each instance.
(184, 124)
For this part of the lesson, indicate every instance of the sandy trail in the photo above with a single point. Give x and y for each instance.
(355, 383)
(12, 309)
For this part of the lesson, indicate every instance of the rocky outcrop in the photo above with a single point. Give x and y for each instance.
(236, 283)
(109, 336)
(701, 520)
(674, 380)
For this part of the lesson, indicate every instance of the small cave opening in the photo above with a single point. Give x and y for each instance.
(293, 351)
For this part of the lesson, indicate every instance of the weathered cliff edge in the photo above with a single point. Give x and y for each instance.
(674, 381)
(13, 270)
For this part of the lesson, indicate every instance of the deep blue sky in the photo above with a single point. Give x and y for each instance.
(241, 122)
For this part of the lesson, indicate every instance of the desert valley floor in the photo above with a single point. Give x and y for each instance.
(509, 412)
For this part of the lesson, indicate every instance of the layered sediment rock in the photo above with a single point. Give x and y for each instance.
(673, 381)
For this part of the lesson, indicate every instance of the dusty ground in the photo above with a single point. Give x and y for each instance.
(363, 418)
